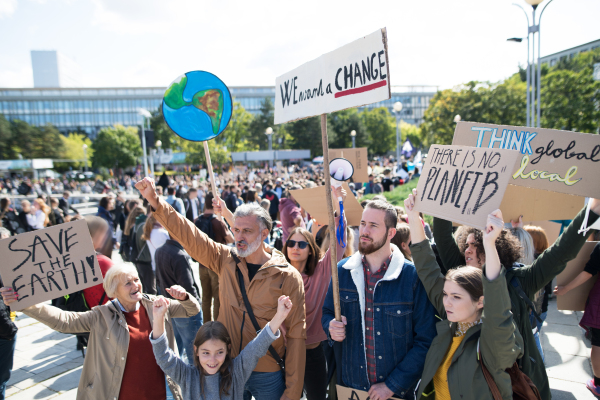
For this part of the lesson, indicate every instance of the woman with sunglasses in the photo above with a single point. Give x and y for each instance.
(302, 252)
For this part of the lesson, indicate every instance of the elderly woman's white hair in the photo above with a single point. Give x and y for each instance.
(115, 276)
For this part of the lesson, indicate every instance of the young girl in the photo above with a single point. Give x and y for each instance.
(214, 374)
(452, 366)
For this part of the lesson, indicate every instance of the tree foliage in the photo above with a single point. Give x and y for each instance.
(380, 125)
(73, 150)
(18, 138)
(116, 147)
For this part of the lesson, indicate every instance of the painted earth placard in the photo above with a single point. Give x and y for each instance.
(559, 161)
(351, 76)
(197, 106)
(49, 263)
(464, 184)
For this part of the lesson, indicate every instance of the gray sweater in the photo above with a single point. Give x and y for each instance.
(188, 376)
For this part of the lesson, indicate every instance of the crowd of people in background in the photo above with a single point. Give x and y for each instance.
(261, 320)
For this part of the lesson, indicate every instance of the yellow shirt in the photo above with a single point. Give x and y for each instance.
(440, 379)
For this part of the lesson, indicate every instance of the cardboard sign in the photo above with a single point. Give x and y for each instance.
(539, 205)
(575, 299)
(351, 76)
(464, 184)
(314, 201)
(358, 159)
(559, 161)
(49, 263)
(344, 393)
(552, 229)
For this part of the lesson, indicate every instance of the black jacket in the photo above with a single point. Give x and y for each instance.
(189, 211)
(173, 268)
(65, 207)
(8, 329)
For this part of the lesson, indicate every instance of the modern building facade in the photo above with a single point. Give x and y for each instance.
(552, 59)
(53, 69)
(91, 109)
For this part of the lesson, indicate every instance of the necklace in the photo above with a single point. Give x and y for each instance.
(463, 327)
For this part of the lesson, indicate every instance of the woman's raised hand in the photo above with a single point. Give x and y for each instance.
(9, 296)
(493, 227)
(160, 307)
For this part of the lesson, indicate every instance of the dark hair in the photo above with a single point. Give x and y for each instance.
(4, 203)
(251, 196)
(468, 278)
(401, 236)
(193, 190)
(217, 331)
(208, 200)
(391, 216)
(171, 191)
(315, 252)
(508, 246)
(104, 202)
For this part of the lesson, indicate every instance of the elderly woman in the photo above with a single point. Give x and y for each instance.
(119, 363)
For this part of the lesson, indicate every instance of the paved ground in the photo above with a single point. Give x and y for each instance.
(47, 366)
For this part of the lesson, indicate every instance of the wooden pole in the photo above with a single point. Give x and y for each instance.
(332, 238)
(213, 184)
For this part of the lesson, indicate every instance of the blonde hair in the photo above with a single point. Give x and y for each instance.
(114, 277)
(149, 225)
(45, 209)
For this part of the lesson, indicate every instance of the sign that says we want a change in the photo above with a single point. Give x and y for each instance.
(49, 263)
(464, 184)
(351, 76)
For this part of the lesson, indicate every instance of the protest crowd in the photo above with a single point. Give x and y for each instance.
(427, 312)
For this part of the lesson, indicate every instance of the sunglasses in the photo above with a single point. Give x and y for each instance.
(301, 244)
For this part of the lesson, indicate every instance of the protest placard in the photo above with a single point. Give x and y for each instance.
(559, 161)
(358, 159)
(576, 299)
(49, 263)
(464, 184)
(344, 393)
(314, 202)
(351, 76)
(539, 205)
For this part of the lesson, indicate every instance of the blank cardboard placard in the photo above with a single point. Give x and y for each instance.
(464, 184)
(575, 299)
(344, 393)
(539, 205)
(559, 161)
(49, 263)
(313, 200)
(351, 76)
(358, 159)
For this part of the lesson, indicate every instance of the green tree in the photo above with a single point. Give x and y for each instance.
(339, 126)
(306, 134)
(7, 150)
(73, 150)
(236, 137)
(570, 101)
(219, 154)
(410, 132)
(381, 128)
(116, 147)
(162, 131)
(261, 121)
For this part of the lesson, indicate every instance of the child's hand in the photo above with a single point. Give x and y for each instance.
(284, 306)
(159, 308)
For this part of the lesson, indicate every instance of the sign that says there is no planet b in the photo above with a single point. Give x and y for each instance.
(351, 76)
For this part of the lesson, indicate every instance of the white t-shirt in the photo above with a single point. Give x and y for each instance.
(36, 221)
(158, 237)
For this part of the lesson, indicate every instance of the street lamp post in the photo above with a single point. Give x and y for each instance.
(534, 92)
(85, 156)
(145, 116)
(457, 118)
(397, 109)
(158, 144)
(353, 134)
(269, 133)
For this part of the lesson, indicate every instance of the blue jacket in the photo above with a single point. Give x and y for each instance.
(404, 322)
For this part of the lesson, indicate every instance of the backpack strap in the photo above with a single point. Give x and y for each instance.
(273, 352)
(488, 376)
(517, 285)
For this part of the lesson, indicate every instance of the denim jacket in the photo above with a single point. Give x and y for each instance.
(404, 322)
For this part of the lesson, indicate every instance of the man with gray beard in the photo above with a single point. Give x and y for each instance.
(264, 274)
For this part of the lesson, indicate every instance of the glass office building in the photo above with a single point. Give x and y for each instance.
(91, 109)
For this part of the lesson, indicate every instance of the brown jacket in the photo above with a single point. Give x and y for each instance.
(275, 278)
(108, 345)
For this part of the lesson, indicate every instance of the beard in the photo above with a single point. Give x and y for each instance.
(250, 248)
(369, 248)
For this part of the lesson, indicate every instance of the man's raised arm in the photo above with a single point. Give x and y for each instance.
(199, 246)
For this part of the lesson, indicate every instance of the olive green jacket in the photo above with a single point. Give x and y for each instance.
(532, 278)
(497, 336)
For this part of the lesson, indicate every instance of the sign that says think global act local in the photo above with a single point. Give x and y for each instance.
(559, 161)
(351, 76)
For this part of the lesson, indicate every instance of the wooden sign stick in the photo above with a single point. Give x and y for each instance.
(213, 184)
(332, 238)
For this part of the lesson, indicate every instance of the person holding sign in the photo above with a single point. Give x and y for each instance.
(301, 250)
(451, 367)
(119, 363)
(251, 278)
(387, 322)
(523, 280)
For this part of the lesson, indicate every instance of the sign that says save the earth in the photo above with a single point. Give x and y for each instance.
(351, 76)
(559, 161)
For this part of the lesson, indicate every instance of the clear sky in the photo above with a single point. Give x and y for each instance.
(151, 42)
